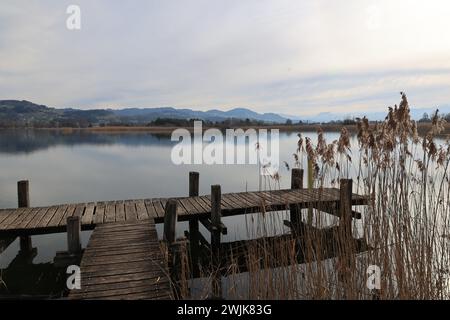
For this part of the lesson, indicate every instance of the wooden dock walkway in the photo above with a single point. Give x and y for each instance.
(41, 220)
(122, 261)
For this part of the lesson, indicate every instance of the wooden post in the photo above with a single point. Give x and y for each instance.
(216, 214)
(73, 235)
(345, 237)
(345, 207)
(23, 196)
(193, 225)
(169, 236)
(170, 221)
(295, 211)
(297, 178)
(194, 178)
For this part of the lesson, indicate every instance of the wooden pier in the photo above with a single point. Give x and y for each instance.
(123, 259)
(42, 220)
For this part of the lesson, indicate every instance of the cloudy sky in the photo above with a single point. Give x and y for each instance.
(293, 57)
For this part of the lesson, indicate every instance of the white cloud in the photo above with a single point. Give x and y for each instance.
(292, 57)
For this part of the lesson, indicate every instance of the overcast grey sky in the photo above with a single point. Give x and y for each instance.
(292, 57)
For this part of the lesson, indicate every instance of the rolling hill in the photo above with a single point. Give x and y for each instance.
(26, 113)
(22, 113)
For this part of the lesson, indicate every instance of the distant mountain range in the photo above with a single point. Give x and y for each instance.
(28, 113)
(24, 113)
(149, 114)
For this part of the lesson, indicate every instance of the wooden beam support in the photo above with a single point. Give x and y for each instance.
(23, 201)
(346, 258)
(216, 215)
(23, 195)
(335, 210)
(170, 221)
(194, 183)
(345, 208)
(295, 210)
(73, 235)
(210, 227)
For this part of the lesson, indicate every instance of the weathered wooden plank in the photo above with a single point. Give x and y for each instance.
(95, 279)
(126, 287)
(79, 210)
(26, 213)
(123, 283)
(120, 211)
(122, 239)
(18, 215)
(110, 211)
(206, 201)
(124, 268)
(268, 198)
(123, 234)
(198, 206)
(99, 244)
(44, 220)
(130, 210)
(141, 210)
(121, 269)
(33, 217)
(99, 213)
(126, 293)
(129, 257)
(188, 206)
(245, 201)
(107, 252)
(88, 215)
(292, 198)
(69, 213)
(123, 230)
(126, 225)
(4, 214)
(158, 207)
(205, 206)
(252, 200)
(58, 216)
(229, 203)
(150, 209)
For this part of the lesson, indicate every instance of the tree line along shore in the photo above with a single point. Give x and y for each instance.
(422, 127)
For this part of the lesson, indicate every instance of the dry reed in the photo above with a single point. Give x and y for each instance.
(404, 230)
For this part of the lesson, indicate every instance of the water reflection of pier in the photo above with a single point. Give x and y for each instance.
(39, 281)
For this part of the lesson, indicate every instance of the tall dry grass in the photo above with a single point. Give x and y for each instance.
(404, 231)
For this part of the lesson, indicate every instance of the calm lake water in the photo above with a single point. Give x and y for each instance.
(81, 166)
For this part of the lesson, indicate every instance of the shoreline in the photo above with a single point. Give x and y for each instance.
(422, 128)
